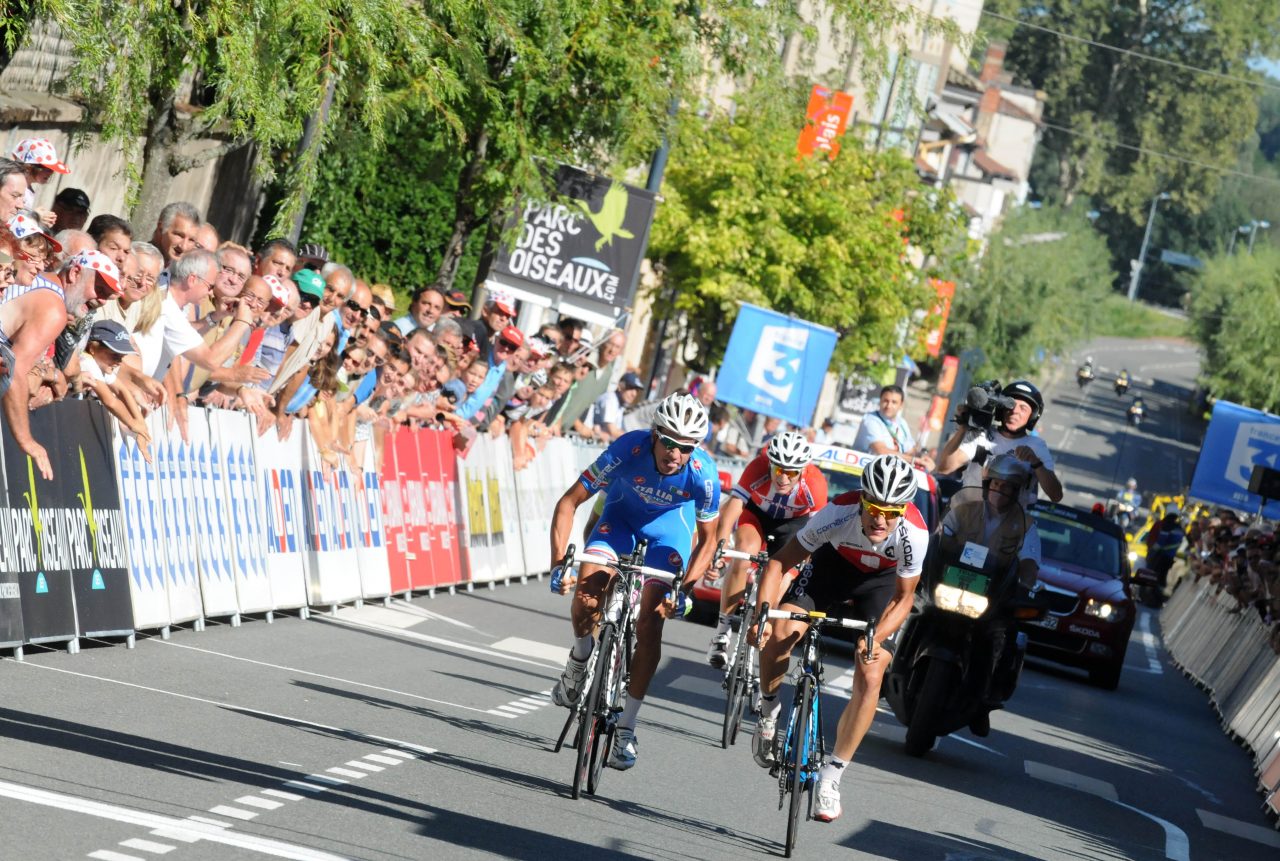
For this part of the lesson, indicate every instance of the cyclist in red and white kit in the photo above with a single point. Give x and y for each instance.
(868, 548)
(775, 496)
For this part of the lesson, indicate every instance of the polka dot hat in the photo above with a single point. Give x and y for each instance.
(39, 151)
(100, 263)
(25, 224)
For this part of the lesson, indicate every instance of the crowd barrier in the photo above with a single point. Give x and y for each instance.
(1229, 655)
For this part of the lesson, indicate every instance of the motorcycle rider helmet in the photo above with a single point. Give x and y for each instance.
(1009, 469)
(889, 480)
(789, 450)
(682, 416)
(1131, 484)
(1024, 391)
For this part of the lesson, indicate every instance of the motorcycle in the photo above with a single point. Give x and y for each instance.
(1136, 414)
(1122, 386)
(1121, 512)
(961, 651)
(1084, 377)
(1150, 592)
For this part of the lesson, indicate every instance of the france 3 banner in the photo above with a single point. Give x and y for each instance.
(1238, 439)
(775, 364)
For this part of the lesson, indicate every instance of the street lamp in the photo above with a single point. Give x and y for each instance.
(1146, 239)
(1239, 231)
(1254, 232)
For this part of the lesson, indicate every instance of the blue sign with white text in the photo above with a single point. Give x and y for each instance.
(1238, 439)
(774, 364)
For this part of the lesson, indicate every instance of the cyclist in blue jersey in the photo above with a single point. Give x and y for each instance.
(660, 488)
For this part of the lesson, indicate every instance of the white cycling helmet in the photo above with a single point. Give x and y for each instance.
(789, 450)
(888, 479)
(681, 415)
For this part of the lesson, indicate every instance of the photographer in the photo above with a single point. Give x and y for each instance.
(994, 421)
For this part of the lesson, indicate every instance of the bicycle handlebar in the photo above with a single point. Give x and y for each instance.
(821, 619)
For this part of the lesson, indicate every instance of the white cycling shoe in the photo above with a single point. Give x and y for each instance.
(569, 688)
(827, 806)
(762, 741)
(623, 753)
(717, 652)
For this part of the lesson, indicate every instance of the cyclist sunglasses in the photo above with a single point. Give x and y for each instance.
(785, 473)
(673, 445)
(888, 512)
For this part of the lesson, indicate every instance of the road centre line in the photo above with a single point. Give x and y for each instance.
(1149, 643)
(327, 678)
(1236, 828)
(1176, 845)
(408, 745)
(189, 827)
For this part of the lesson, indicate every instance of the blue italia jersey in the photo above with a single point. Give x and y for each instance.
(626, 473)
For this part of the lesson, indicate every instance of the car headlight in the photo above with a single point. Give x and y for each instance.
(955, 600)
(1104, 610)
(1133, 556)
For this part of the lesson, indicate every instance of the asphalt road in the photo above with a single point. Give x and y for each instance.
(423, 731)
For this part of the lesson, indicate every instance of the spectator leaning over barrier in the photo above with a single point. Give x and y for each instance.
(40, 161)
(75, 241)
(71, 209)
(113, 236)
(505, 346)
(425, 308)
(498, 313)
(106, 348)
(28, 326)
(593, 384)
(33, 248)
(311, 255)
(13, 188)
(222, 312)
(175, 232)
(276, 257)
(309, 334)
(207, 237)
(456, 304)
(606, 415)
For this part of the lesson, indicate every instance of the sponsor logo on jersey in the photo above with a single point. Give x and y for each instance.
(639, 479)
(635, 450)
(654, 495)
(697, 464)
(674, 558)
(890, 551)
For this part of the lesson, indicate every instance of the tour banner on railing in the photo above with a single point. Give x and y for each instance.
(181, 555)
(202, 469)
(279, 465)
(584, 248)
(141, 517)
(393, 507)
(364, 488)
(333, 571)
(777, 363)
(234, 448)
(1238, 439)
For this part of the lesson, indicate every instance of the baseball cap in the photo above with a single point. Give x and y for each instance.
(457, 299)
(279, 293)
(39, 151)
(503, 301)
(309, 283)
(631, 380)
(512, 335)
(539, 348)
(94, 259)
(114, 336)
(313, 251)
(73, 198)
(24, 225)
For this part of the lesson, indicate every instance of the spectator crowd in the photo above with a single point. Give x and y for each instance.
(1240, 561)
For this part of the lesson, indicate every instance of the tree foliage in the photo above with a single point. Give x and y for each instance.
(745, 220)
(1034, 294)
(1235, 313)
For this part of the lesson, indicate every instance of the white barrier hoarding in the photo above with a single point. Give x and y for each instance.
(234, 442)
(147, 587)
(205, 510)
(280, 489)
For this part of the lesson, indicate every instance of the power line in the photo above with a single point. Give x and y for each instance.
(1146, 151)
(1173, 63)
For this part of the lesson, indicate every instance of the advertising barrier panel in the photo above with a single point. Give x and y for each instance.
(333, 572)
(279, 465)
(209, 516)
(235, 441)
(502, 491)
(365, 512)
(393, 509)
(454, 566)
(474, 475)
(150, 598)
(416, 467)
(180, 558)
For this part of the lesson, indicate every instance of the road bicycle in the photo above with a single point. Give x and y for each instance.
(742, 672)
(604, 690)
(800, 753)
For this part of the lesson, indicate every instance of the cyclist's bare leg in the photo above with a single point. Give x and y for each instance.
(644, 663)
(587, 599)
(860, 711)
(776, 654)
(748, 540)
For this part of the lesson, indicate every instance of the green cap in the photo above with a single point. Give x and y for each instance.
(310, 283)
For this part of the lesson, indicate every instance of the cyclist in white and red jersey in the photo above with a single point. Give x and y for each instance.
(775, 496)
(868, 548)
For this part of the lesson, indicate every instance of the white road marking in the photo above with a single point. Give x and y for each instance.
(233, 812)
(1236, 828)
(180, 836)
(304, 786)
(337, 679)
(497, 713)
(367, 766)
(516, 710)
(108, 855)
(452, 644)
(147, 846)
(385, 760)
(189, 827)
(255, 801)
(1176, 845)
(279, 793)
(326, 779)
(348, 772)
(533, 649)
(973, 743)
(406, 754)
(1149, 643)
(205, 820)
(232, 707)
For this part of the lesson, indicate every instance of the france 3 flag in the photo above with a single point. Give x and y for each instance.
(774, 364)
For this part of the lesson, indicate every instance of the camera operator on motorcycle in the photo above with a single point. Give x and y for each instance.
(1085, 374)
(1014, 412)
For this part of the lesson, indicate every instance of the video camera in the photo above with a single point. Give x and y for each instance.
(984, 404)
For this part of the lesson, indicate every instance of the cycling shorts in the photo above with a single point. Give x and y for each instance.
(843, 593)
(670, 536)
(777, 530)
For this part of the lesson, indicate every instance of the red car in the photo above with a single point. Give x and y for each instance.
(1085, 571)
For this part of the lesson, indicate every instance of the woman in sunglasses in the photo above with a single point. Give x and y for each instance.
(868, 547)
(657, 485)
(775, 496)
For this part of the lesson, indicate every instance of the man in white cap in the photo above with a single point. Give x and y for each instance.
(31, 322)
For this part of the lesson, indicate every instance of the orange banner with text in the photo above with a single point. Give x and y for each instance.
(825, 120)
(933, 338)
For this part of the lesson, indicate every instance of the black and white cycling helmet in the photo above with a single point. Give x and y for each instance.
(789, 450)
(889, 480)
(681, 416)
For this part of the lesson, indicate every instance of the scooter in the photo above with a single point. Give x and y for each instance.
(961, 650)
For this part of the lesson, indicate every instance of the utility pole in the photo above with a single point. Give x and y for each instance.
(1146, 239)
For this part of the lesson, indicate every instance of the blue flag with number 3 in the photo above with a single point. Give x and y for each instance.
(774, 364)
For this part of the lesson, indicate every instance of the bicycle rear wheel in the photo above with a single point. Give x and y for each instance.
(800, 755)
(738, 684)
(588, 720)
(609, 673)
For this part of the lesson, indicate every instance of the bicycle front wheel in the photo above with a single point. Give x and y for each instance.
(739, 680)
(609, 672)
(800, 757)
(590, 710)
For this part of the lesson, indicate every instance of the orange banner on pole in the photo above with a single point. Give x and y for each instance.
(825, 121)
(946, 291)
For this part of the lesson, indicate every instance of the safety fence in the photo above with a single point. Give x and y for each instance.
(1228, 654)
(228, 522)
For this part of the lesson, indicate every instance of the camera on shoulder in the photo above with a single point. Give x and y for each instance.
(985, 404)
